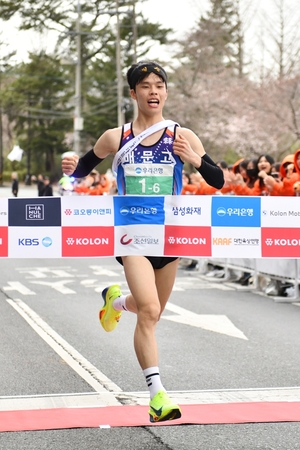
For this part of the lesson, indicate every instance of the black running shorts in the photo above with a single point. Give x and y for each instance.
(157, 262)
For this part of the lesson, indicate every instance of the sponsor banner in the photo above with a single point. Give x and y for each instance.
(236, 242)
(34, 212)
(87, 241)
(280, 242)
(87, 211)
(187, 241)
(32, 242)
(280, 212)
(188, 210)
(3, 242)
(3, 212)
(235, 211)
(135, 210)
(139, 240)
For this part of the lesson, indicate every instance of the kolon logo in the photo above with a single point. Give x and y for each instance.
(3, 241)
(87, 241)
(280, 242)
(187, 241)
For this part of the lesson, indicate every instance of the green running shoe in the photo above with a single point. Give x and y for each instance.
(162, 408)
(108, 316)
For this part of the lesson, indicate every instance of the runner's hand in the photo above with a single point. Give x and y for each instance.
(69, 164)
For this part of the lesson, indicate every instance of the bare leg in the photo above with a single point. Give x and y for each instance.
(150, 291)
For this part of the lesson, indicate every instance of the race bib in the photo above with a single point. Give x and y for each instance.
(149, 179)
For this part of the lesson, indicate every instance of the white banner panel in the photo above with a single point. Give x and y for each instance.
(34, 242)
(188, 210)
(139, 240)
(280, 212)
(3, 212)
(236, 241)
(87, 210)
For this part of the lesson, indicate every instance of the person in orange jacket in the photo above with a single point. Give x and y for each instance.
(102, 187)
(263, 166)
(188, 188)
(290, 174)
(205, 189)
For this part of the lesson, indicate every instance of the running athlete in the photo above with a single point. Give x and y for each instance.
(162, 154)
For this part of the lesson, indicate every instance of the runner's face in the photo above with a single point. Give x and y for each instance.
(150, 94)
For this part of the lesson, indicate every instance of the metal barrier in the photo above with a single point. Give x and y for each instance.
(285, 270)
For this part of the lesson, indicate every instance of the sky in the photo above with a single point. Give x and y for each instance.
(163, 11)
(167, 12)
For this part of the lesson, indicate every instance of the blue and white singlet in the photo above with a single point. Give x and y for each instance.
(150, 170)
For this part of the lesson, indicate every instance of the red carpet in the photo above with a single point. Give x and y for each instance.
(136, 416)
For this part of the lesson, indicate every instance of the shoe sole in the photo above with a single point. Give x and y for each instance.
(172, 415)
(106, 309)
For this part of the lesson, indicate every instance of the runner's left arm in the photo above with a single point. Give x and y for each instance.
(190, 149)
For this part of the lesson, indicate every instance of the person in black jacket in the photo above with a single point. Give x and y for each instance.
(15, 184)
(40, 184)
(48, 190)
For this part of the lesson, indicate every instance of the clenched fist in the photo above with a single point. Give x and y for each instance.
(69, 164)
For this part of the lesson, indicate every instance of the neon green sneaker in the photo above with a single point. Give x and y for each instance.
(108, 316)
(162, 408)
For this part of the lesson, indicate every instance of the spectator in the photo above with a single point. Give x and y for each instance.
(252, 172)
(47, 191)
(40, 184)
(263, 166)
(187, 187)
(15, 184)
(290, 174)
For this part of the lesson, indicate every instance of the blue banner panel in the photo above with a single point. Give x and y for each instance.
(135, 210)
(235, 211)
(34, 212)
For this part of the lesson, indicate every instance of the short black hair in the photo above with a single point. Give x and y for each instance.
(137, 72)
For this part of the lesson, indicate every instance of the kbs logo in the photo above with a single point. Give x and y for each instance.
(87, 241)
(28, 242)
(281, 242)
(187, 241)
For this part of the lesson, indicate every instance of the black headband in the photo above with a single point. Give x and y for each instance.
(142, 70)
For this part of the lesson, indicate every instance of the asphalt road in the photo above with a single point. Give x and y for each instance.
(214, 340)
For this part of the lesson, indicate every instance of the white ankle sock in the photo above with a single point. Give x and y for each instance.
(119, 304)
(153, 380)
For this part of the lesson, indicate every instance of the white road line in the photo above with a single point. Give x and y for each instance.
(96, 379)
(17, 286)
(93, 399)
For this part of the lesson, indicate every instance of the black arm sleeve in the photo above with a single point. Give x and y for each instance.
(86, 164)
(211, 173)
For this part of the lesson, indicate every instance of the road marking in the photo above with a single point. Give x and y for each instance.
(211, 322)
(100, 270)
(184, 283)
(45, 272)
(19, 287)
(96, 379)
(58, 286)
(193, 397)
